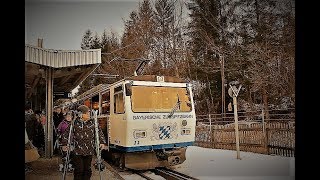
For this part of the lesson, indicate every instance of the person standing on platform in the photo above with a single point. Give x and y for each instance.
(39, 133)
(57, 119)
(31, 122)
(62, 127)
(83, 137)
(27, 145)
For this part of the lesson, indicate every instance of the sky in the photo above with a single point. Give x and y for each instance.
(220, 164)
(62, 23)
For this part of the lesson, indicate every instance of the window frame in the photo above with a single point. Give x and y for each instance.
(108, 99)
(187, 90)
(114, 99)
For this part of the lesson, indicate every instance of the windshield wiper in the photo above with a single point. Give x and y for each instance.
(176, 106)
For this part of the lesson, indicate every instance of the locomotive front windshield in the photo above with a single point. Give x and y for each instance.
(160, 99)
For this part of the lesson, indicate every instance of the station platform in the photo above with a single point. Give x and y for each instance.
(48, 169)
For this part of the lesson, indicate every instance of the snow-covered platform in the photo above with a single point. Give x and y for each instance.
(218, 164)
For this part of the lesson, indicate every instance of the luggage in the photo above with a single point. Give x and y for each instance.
(31, 154)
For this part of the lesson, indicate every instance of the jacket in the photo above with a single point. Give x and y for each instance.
(63, 126)
(83, 137)
(31, 123)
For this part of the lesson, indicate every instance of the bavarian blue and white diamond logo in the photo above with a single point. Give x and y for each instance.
(165, 132)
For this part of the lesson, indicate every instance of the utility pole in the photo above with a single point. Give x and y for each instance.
(223, 103)
(233, 92)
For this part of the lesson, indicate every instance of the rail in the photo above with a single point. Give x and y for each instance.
(170, 174)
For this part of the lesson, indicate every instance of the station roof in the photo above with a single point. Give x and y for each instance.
(70, 67)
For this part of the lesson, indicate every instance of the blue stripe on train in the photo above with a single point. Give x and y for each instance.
(146, 148)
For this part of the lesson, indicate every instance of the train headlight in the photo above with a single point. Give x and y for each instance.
(185, 131)
(139, 134)
(184, 122)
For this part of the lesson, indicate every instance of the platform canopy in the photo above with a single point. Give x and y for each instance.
(70, 67)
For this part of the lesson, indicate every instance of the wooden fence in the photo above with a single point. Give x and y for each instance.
(276, 137)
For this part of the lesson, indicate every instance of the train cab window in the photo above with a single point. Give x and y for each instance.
(160, 99)
(118, 100)
(105, 103)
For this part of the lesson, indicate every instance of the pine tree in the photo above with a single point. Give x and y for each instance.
(131, 37)
(87, 39)
(146, 27)
(96, 44)
(207, 44)
(104, 41)
(138, 37)
(263, 48)
(164, 19)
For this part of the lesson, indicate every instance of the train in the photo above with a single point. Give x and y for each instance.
(148, 120)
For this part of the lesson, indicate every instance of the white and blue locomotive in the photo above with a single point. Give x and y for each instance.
(149, 121)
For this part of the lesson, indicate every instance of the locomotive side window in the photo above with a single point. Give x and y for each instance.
(95, 102)
(105, 103)
(118, 100)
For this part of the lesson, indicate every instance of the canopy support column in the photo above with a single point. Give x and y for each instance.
(49, 115)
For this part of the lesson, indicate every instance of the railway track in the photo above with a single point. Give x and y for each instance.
(141, 173)
(170, 174)
(114, 170)
(165, 173)
(121, 174)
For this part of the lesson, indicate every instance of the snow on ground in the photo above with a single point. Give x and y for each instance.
(154, 176)
(137, 177)
(218, 164)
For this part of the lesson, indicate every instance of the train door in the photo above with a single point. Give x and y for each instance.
(105, 114)
(117, 117)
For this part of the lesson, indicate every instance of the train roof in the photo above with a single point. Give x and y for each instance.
(153, 78)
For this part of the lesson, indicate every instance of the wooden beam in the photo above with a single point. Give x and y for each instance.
(85, 74)
(32, 69)
(64, 72)
(64, 80)
(34, 84)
